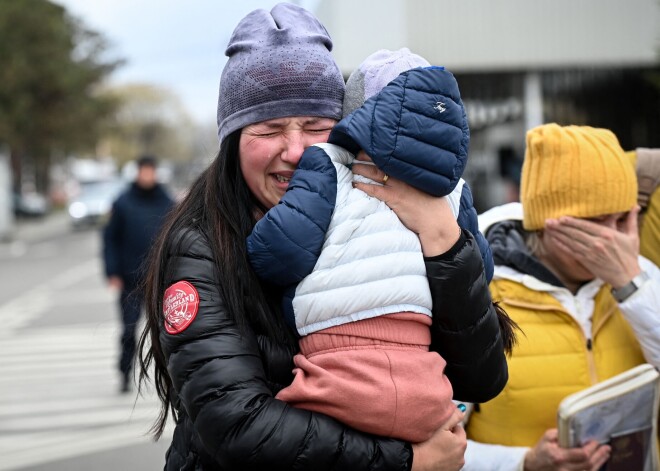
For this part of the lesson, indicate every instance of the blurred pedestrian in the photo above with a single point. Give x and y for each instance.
(137, 215)
(647, 166)
(569, 272)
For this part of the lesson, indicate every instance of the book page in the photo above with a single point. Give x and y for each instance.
(629, 412)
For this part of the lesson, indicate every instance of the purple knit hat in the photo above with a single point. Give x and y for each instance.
(279, 65)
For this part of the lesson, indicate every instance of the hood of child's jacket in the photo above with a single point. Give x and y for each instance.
(415, 129)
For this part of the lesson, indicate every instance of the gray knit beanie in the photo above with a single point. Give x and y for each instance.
(376, 71)
(279, 65)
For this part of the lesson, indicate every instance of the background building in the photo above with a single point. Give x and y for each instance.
(521, 63)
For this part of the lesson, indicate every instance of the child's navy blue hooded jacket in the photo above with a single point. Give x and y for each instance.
(415, 130)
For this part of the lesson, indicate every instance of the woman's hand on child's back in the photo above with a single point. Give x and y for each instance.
(445, 450)
(428, 216)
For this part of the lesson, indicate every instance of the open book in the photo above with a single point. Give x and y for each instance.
(621, 411)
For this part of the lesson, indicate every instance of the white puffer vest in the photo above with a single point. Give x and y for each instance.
(370, 265)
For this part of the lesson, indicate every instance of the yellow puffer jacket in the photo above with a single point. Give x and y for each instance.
(649, 233)
(552, 360)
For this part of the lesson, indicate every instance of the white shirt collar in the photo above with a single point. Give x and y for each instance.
(579, 305)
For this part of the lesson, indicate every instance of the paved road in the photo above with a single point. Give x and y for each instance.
(59, 403)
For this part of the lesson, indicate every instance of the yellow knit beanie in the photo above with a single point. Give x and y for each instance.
(576, 171)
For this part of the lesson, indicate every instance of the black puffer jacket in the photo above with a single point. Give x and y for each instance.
(225, 382)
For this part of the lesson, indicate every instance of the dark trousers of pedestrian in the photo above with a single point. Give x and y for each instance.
(130, 303)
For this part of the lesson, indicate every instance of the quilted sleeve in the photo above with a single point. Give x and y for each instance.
(465, 329)
(286, 243)
(468, 219)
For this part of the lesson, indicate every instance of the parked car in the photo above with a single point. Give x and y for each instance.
(93, 203)
(30, 204)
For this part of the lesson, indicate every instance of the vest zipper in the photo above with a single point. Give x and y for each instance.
(592, 363)
(595, 327)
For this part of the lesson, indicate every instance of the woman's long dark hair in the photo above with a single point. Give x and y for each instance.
(220, 206)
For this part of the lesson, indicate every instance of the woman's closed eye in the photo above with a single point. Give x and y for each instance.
(261, 131)
(320, 130)
(268, 134)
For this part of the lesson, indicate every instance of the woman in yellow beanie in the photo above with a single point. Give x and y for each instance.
(568, 271)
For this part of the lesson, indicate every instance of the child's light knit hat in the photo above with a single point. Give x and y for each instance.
(376, 71)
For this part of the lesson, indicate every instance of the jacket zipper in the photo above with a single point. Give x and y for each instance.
(591, 362)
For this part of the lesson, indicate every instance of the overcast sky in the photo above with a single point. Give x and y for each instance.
(176, 44)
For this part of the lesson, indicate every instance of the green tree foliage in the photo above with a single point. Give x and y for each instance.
(50, 69)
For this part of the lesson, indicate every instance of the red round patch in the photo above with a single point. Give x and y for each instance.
(180, 305)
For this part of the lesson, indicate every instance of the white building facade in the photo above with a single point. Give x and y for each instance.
(520, 63)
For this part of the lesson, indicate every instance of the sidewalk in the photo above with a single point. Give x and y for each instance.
(36, 229)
